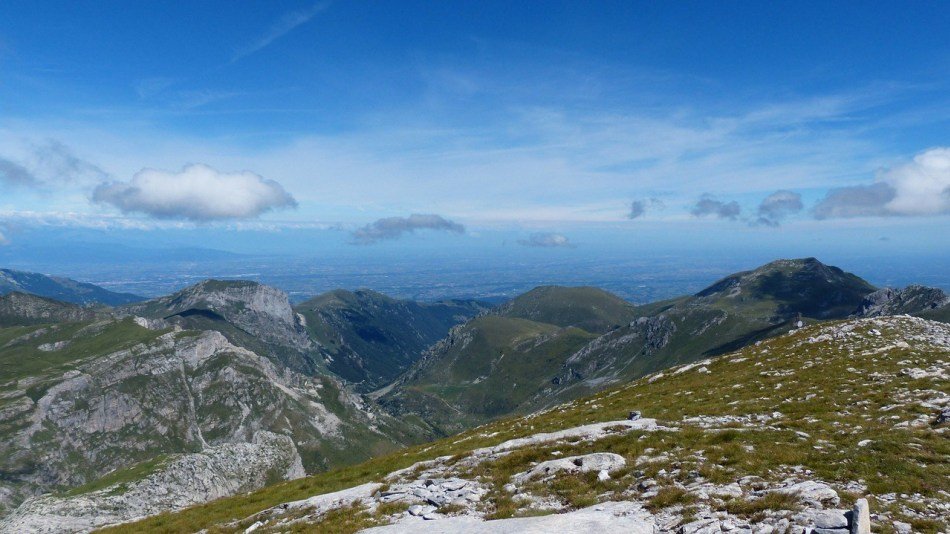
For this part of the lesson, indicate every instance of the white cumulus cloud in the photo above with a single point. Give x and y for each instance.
(918, 188)
(197, 193)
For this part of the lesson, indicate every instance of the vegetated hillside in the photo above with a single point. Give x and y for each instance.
(493, 364)
(783, 435)
(22, 309)
(99, 396)
(369, 339)
(252, 315)
(62, 289)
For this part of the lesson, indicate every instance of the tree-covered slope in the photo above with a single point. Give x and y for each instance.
(21, 309)
(369, 339)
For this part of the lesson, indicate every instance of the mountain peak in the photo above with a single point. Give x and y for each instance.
(261, 311)
(804, 285)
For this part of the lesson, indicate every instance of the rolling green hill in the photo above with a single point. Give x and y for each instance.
(588, 308)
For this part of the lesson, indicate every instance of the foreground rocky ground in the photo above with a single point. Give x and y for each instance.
(834, 428)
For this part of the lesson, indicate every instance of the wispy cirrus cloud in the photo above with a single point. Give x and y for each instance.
(395, 227)
(16, 175)
(47, 164)
(286, 24)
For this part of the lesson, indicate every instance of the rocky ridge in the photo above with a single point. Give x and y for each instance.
(913, 299)
(24, 309)
(261, 311)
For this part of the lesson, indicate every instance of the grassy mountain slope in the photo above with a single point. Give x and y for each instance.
(488, 368)
(493, 364)
(738, 310)
(484, 369)
(855, 405)
(62, 289)
(369, 339)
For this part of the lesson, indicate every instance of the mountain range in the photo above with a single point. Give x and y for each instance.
(129, 398)
(59, 288)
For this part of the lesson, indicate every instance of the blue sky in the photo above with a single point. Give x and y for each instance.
(543, 125)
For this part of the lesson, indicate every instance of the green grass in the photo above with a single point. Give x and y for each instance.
(670, 496)
(24, 359)
(770, 501)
